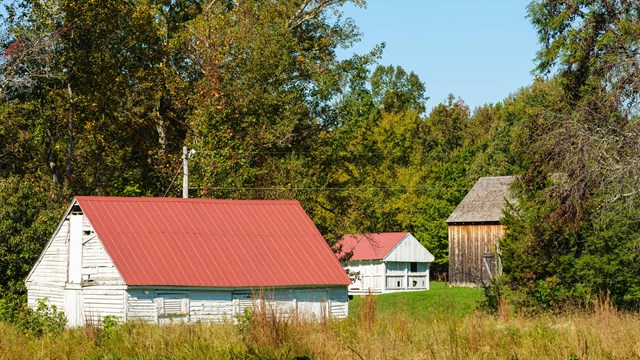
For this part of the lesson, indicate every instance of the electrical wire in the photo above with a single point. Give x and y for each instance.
(172, 180)
(334, 188)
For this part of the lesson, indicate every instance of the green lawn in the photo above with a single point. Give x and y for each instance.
(440, 300)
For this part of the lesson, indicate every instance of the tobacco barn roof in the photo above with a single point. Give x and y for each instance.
(212, 243)
(369, 246)
(484, 202)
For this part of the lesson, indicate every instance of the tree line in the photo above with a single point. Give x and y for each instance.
(99, 97)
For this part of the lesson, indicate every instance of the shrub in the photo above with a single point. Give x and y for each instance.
(494, 294)
(44, 319)
(109, 323)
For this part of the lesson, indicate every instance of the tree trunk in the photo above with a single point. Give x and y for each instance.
(69, 139)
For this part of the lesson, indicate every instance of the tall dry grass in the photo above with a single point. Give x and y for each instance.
(368, 310)
(600, 332)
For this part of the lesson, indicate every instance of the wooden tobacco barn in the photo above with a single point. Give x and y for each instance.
(385, 262)
(164, 260)
(474, 231)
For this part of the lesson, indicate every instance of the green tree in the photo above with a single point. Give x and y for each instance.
(578, 149)
(593, 45)
(28, 216)
(395, 90)
(267, 70)
(97, 89)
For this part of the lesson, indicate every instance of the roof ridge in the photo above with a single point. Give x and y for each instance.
(168, 199)
(383, 244)
(379, 233)
(212, 242)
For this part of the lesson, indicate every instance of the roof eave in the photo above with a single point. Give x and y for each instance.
(486, 222)
(393, 248)
(66, 213)
(227, 287)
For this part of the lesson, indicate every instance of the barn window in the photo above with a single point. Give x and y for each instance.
(242, 300)
(414, 267)
(172, 304)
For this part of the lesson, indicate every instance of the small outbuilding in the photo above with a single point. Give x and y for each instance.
(385, 262)
(475, 231)
(165, 259)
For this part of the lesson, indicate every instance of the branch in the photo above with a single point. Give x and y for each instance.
(303, 15)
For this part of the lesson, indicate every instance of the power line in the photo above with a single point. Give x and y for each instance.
(333, 188)
(172, 180)
(276, 152)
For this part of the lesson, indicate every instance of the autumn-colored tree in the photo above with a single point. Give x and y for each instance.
(266, 71)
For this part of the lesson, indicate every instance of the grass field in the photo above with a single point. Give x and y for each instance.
(441, 323)
(440, 300)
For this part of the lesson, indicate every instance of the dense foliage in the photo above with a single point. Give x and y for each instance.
(99, 97)
(575, 230)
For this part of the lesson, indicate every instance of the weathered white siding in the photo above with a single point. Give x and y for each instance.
(48, 278)
(101, 301)
(370, 276)
(393, 272)
(95, 288)
(339, 302)
(101, 291)
(382, 276)
(215, 305)
(210, 306)
(400, 277)
(103, 288)
(409, 250)
(140, 306)
(97, 267)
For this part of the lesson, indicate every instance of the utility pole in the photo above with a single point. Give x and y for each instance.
(185, 176)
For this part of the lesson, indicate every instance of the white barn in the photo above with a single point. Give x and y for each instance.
(166, 259)
(385, 262)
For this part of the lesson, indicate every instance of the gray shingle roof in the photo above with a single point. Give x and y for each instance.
(484, 202)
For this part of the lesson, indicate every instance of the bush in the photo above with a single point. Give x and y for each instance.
(44, 319)
(494, 292)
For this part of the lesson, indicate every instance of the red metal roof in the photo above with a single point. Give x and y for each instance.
(212, 243)
(369, 246)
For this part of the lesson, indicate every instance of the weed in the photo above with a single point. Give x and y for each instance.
(267, 331)
(400, 329)
(368, 311)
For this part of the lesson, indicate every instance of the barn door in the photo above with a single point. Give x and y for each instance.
(488, 268)
(312, 303)
(73, 306)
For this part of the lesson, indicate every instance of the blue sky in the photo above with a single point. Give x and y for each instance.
(480, 51)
